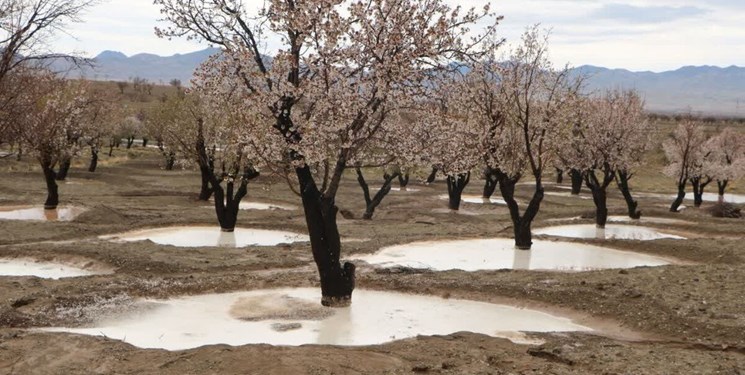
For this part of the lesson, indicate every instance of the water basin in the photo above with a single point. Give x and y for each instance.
(476, 199)
(31, 213)
(500, 253)
(611, 231)
(197, 236)
(46, 270)
(295, 317)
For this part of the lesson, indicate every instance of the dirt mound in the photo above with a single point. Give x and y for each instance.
(102, 214)
(273, 306)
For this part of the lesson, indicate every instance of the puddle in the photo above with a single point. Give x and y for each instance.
(458, 212)
(618, 232)
(261, 206)
(295, 317)
(566, 194)
(645, 219)
(707, 197)
(46, 270)
(499, 253)
(476, 199)
(210, 236)
(30, 213)
(406, 190)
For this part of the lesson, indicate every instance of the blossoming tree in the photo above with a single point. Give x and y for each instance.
(341, 70)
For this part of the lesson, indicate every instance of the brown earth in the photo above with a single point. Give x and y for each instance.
(677, 319)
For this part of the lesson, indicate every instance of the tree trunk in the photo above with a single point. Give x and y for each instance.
(559, 175)
(130, 142)
(456, 184)
(227, 204)
(679, 199)
(521, 224)
(111, 148)
(144, 142)
(403, 181)
(721, 186)
(699, 184)
(622, 180)
(372, 203)
(337, 281)
(64, 169)
(19, 154)
(599, 190)
(490, 184)
(94, 159)
(170, 160)
(432, 175)
(205, 162)
(576, 181)
(50, 176)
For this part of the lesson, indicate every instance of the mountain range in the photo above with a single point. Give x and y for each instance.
(703, 90)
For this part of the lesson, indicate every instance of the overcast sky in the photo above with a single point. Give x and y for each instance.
(638, 35)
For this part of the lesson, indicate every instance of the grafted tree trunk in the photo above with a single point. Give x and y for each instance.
(371, 203)
(721, 186)
(456, 184)
(227, 202)
(679, 198)
(206, 163)
(559, 175)
(403, 180)
(432, 175)
(576, 181)
(94, 159)
(490, 183)
(622, 180)
(521, 224)
(64, 169)
(337, 281)
(599, 190)
(50, 177)
(699, 184)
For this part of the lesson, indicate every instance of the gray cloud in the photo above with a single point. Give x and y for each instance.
(646, 14)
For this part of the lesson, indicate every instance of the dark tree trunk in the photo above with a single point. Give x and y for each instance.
(679, 199)
(599, 193)
(372, 203)
(490, 184)
(19, 154)
(622, 180)
(456, 185)
(206, 164)
(144, 142)
(112, 144)
(64, 169)
(432, 175)
(170, 160)
(337, 281)
(699, 184)
(521, 223)
(130, 142)
(576, 181)
(227, 203)
(94, 159)
(50, 176)
(403, 181)
(721, 186)
(559, 175)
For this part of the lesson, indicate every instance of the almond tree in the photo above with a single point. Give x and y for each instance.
(727, 158)
(682, 149)
(608, 138)
(524, 122)
(48, 110)
(342, 69)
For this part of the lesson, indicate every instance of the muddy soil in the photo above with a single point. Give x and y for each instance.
(676, 319)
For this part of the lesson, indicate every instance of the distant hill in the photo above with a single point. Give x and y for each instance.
(116, 66)
(705, 90)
